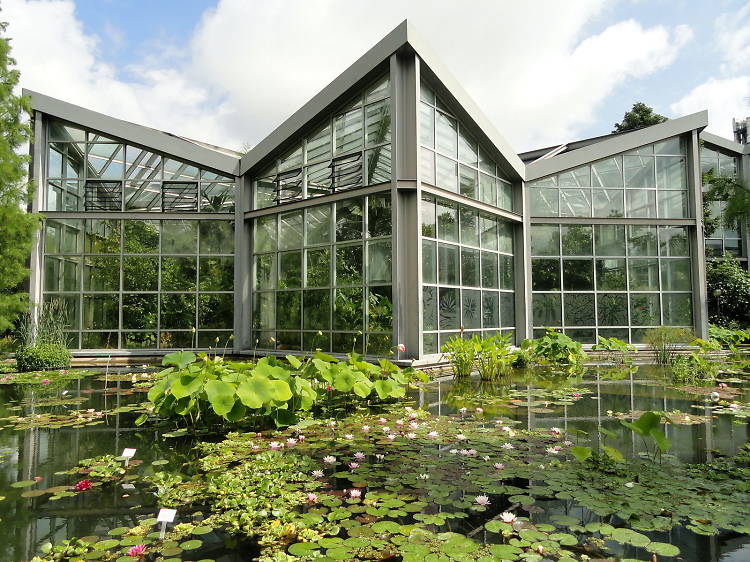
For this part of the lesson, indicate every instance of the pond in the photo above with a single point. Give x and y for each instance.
(435, 475)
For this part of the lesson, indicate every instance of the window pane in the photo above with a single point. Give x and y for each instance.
(101, 273)
(448, 308)
(143, 196)
(547, 310)
(673, 204)
(673, 241)
(427, 125)
(675, 275)
(179, 171)
(178, 274)
(488, 229)
(644, 309)
(317, 310)
(217, 196)
(99, 340)
(489, 270)
(544, 202)
(641, 203)
(427, 166)
(670, 146)
(216, 237)
(64, 195)
(505, 229)
(348, 131)
(579, 310)
(429, 261)
(607, 173)
(608, 203)
(471, 309)
(470, 268)
(427, 211)
(678, 310)
(289, 310)
(575, 202)
(448, 264)
(429, 308)
(379, 215)
(319, 145)
(469, 226)
(319, 179)
(467, 148)
(378, 122)
(612, 309)
(545, 240)
(545, 274)
(216, 273)
(265, 234)
(348, 309)
(379, 261)
(447, 218)
(577, 240)
(446, 174)
(140, 274)
(488, 189)
(379, 309)
(642, 240)
(216, 311)
(580, 177)
(670, 172)
(508, 310)
(102, 236)
(610, 239)
(349, 219)
(290, 230)
(264, 311)
(318, 267)
(610, 275)
(265, 272)
(101, 312)
(644, 274)
(446, 134)
(490, 309)
(378, 165)
(105, 161)
(468, 182)
(179, 237)
(504, 196)
(506, 273)
(578, 275)
(141, 164)
(639, 171)
(318, 223)
(349, 265)
(290, 270)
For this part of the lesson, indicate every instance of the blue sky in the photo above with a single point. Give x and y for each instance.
(229, 71)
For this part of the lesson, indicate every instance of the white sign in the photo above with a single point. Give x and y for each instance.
(128, 453)
(166, 515)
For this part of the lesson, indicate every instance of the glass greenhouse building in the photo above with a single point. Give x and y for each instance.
(387, 210)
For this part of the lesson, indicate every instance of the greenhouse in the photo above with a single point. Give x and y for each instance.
(386, 211)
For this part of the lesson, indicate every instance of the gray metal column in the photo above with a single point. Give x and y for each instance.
(697, 242)
(405, 202)
(743, 175)
(38, 176)
(522, 268)
(242, 266)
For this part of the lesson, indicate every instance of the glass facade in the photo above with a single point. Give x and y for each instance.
(650, 182)
(610, 279)
(349, 149)
(87, 171)
(142, 284)
(322, 277)
(467, 272)
(723, 240)
(452, 159)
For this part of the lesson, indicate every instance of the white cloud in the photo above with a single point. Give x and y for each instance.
(733, 39)
(535, 69)
(724, 99)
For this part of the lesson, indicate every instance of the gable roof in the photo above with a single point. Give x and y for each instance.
(403, 36)
(220, 159)
(614, 144)
(724, 144)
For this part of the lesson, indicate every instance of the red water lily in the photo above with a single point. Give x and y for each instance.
(82, 486)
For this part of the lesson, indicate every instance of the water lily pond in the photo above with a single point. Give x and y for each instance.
(537, 466)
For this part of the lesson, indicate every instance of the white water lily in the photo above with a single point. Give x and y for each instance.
(508, 517)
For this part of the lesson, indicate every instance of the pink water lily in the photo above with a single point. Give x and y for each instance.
(555, 430)
(348, 436)
(499, 465)
(354, 493)
(401, 347)
(312, 498)
(382, 421)
(433, 434)
(391, 437)
(482, 500)
(479, 411)
(137, 550)
(399, 422)
(83, 486)
(291, 442)
(411, 435)
(413, 415)
(45, 381)
(507, 517)
(359, 456)
(365, 428)
(353, 465)
(275, 445)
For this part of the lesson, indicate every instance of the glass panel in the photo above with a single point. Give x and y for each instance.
(349, 265)
(610, 239)
(379, 261)
(289, 341)
(317, 310)
(378, 123)
(427, 125)
(471, 309)
(486, 164)
(506, 272)
(469, 226)
(217, 237)
(290, 270)
(318, 145)
(348, 131)
(216, 274)
(673, 241)
(318, 267)
(378, 165)
(265, 192)
(102, 236)
(141, 164)
(727, 165)
(427, 212)
(468, 182)
(265, 234)
(140, 274)
(678, 310)
(610, 275)
(101, 273)
(430, 344)
(379, 89)
(379, 215)
(99, 340)
(63, 237)
(379, 309)
(612, 309)
(143, 196)
(446, 174)
(545, 240)
(105, 161)
(379, 344)
(319, 179)
(448, 308)
(489, 270)
(290, 230)
(578, 275)
(644, 274)
(427, 166)
(673, 204)
(642, 240)
(217, 196)
(547, 310)
(644, 309)
(265, 272)
(178, 274)
(179, 237)
(490, 309)
(139, 312)
(607, 173)
(582, 336)
(504, 195)
(608, 203)
(139, 340)
(488, 189)
(488, 229)
(508, 310)
(101, 312)
(639, 171)
(670, 146)
(289, 310)
(670, 172)
(65, 195)
(580, 177)
(448, 264)
(348, 309)
(349, 219)
(64, 132)
(447, 218)
(429, 308)
(429, 261)
(675, 275)
(264, 311)
(446, 134)
(641, 203)
(579, 310)
(544, 202)
(180, 171)
(467, 148)
(470, 267)
(318, 223)
(575, 202)
(577, 240)
(426, 94)
(545, 274)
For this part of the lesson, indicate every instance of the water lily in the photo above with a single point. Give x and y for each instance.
(291, 442)
(733, 406)
(463, 411)
(380, 456)
(568, 443)
(551, 451)
(408, 408)
(275, 445)
(414, 425)
(392, 436)
(329, 459)
(399, 422)
(317, 473)
(382, 421)
(413, 415)
(555, 430)
(332, 423)
(506, 429)
(479, 411)
(508, 446)
(433, 434)
(137, 550)
(45, 381)
(715, 396)
(499, 465)
(348, 436)
(365, 428)
(540, 549)
(301, 438)
(38, 478)
(453, 451)
(723, 385)
(576, 395)
(312, 498)
(386, 429)
(482, 500)
(83, 485)
(360, 456)
(401, 347)
(485, 458)
(411, 435)
(255, 447)
(508, 517)
(629, 484)
(461, 437)
(353, 465)
(354, 493)
(424, 476)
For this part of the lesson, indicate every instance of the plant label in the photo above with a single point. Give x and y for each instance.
(166, 515)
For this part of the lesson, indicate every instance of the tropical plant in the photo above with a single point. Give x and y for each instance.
(493, 355)
(615, 350)
(648, 426)
(461, 354)
(728, 338)
(204, 389)
(728, 290)
(694, 369)
(666, 340)
(555, 348)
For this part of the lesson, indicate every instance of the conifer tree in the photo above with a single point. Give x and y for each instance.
(641, 115)
(17, 226)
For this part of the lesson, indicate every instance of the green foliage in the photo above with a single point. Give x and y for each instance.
(728, 338)
(665, 340)
(734, 196)
(52, 317)
(728, 291)
(461, 354)
(555, 348)
(615, 350)
(42, 357)
(493, 355)
(694, 369)
(17, 227)
(641, 115)
(212, 390)
(648, 426)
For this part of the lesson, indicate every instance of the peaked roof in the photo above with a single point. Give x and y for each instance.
(403, 36)
(614, 144)
(725, 144)
(220, 159)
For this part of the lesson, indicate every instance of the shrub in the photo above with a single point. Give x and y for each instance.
(615, 350)
(42, 357)
(728, 291)
(461, 355)
(728, 338)
(493, 355)
(555, 348)
(665, 340)
(694, 369)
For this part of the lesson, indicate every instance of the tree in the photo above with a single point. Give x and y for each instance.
(638, 117)
(734, 195)
(17, 227)
(728, 291)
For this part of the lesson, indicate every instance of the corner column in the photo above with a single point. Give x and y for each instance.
(697, 242)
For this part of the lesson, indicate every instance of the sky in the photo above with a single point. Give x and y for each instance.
(227, 72)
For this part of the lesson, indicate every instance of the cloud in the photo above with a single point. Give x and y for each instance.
(537, 70)
(732, 38)
(724, 98)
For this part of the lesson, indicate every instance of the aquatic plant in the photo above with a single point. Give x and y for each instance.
(693, 369)
(493, 355)
(615, 350)
(666, 340)
(648, 426)
(461, 354)
(555, 348)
